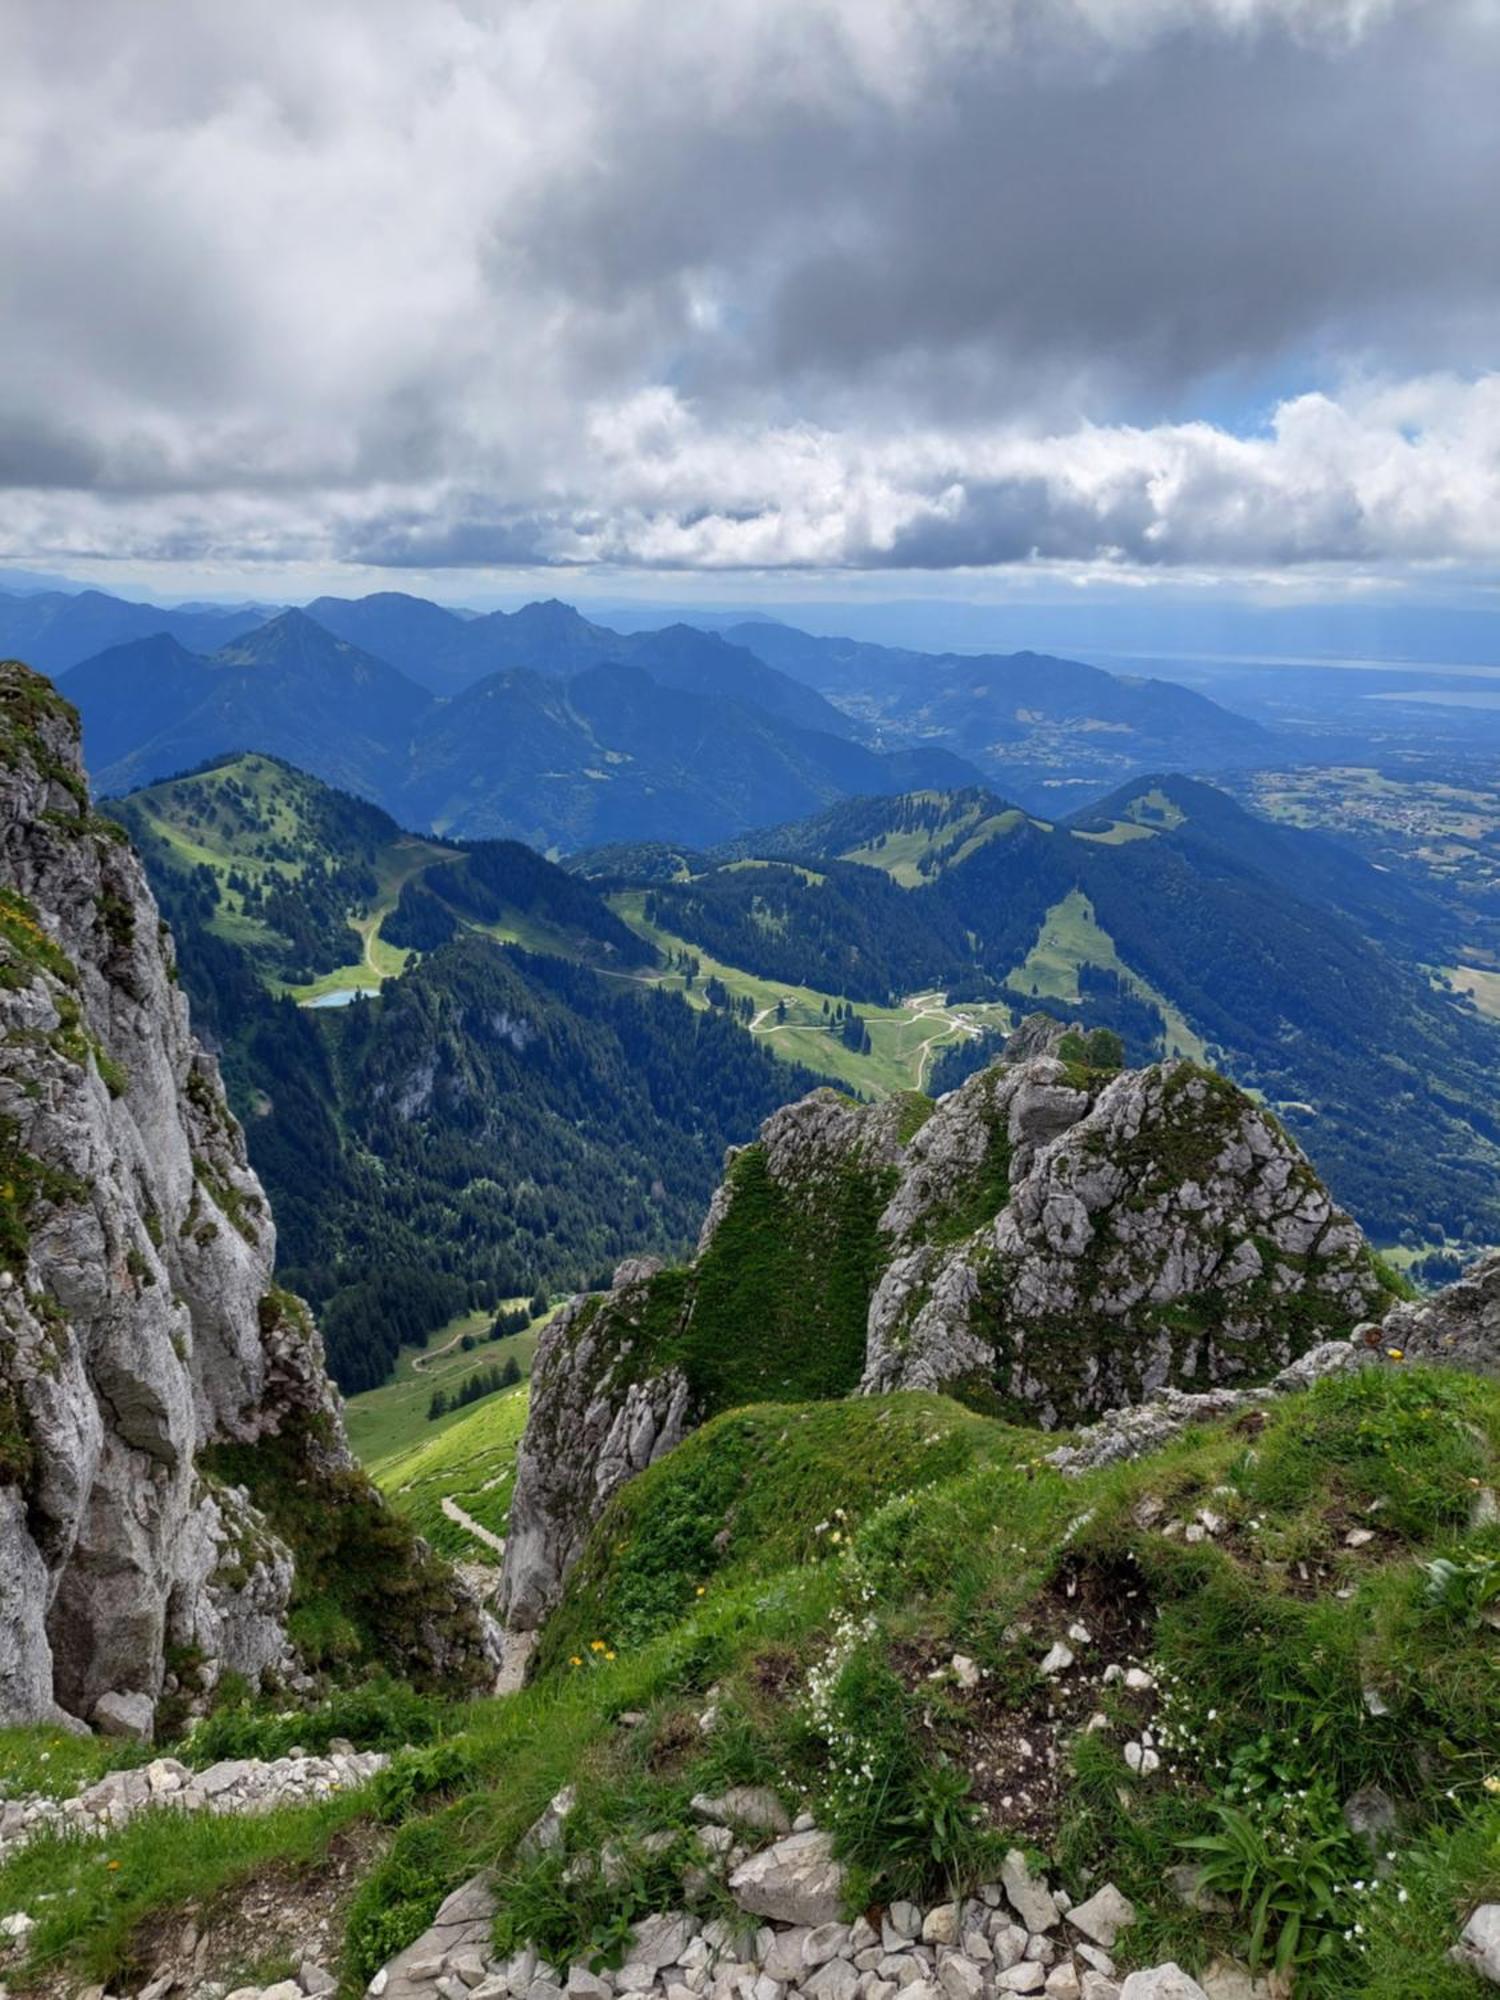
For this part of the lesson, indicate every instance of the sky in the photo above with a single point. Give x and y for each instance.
(1013, 301)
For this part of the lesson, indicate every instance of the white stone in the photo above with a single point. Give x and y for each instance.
(124, 1714)
(1027, 1977)
(795, 1881)
(1103, 1916)
(1008, 1944)
(959, 1977)
(940, 1925)
(754, 1806)
(1479, 1944)
(1138, 1680)
(1062, 1982)
(836, 1979)
(825, 1941)
(1029, 1898)
(1058, 1659)
(1162, 1982)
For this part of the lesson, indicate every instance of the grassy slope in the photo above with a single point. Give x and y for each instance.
(469, 1458)
(1072, 937)
(901, 853)
(865, 1543)
(275, 791)
(379, 961)
(387, 1420)
(902, 1037)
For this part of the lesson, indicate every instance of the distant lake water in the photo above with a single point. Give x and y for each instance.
(1441, 697)
(343, 996)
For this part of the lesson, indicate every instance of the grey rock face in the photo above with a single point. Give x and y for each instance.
(138, 1320)
(1133, 1432)
(1460, 1324)
(796, 1881)
(1119, 1211)
(1162, 1982)
(1479, 1947)
(593, 1424)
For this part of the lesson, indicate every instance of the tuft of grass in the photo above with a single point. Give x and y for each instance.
(54, 1764)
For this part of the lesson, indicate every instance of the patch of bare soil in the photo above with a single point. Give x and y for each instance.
(259, 1929)
(1013, 1731)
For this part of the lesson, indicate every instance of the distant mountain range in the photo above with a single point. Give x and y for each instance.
(1168, 913)
(543, 725)
(1049, 732)
(687, 738)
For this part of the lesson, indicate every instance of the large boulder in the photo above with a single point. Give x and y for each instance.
(1459, 1325)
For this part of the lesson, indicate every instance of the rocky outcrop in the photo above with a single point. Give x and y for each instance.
(1460, 1324)
(139, 1324)
(780, 1930)
(1154, 1228)
(235, 1785)
(1052, 1240)
(594, 1423)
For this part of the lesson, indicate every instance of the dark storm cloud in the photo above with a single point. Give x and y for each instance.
(805, 282)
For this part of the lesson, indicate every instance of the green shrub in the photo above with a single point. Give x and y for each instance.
(378, 1714)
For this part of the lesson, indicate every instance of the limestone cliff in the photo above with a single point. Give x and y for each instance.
(1050, 1240)
(140, 1331)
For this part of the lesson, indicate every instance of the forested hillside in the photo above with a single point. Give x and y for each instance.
(1171, 915)
(496, 1119)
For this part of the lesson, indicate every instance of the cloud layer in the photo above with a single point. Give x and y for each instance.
(812, 283)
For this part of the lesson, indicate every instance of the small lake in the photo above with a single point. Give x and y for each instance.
(343, 996)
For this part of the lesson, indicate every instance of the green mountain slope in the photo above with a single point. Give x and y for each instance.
(1170, 915)
(502, 1118)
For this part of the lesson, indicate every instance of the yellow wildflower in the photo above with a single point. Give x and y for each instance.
(700, 1590)
(609, 1655)
(596, 1645)
(1396, 1353)
(575, 1661)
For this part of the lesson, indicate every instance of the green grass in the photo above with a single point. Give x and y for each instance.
(57, 1764)
(901, 853)
(399, 864)
(903, 1038)
(387, 1420)
(469, 1458)
(91, 1897)
(817, 1566)
(1070, 937)
(709, 1515)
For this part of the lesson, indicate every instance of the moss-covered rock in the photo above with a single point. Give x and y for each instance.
(1054, 1237)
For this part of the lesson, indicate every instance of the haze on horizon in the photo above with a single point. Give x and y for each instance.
(784, 300)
